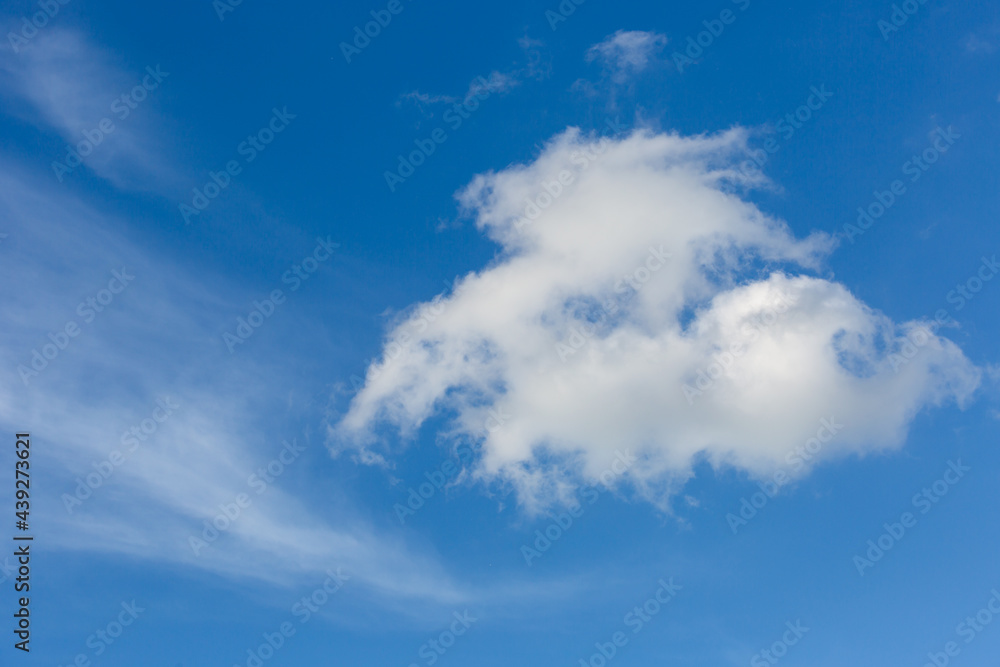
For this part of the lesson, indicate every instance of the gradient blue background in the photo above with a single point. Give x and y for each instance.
(324, 176)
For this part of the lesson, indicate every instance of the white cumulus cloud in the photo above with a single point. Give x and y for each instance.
(640, 302)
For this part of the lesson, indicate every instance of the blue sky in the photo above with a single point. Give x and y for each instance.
(533, 333)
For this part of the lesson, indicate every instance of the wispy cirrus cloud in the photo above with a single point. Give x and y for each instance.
(536, 66)
(65, 84)
(627, 52)
(109, 377)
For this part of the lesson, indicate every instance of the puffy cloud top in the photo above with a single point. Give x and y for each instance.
(641, 303)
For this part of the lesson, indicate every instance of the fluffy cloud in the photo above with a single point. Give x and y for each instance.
(641, 303)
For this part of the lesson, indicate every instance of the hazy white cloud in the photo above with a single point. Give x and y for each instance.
(479, 88)
(108, 378)
(496, 82)
(423, 100)
(535, 67)
(66, 84)
(628, 269)
(982, 42)
(627, 52)
(539, 63)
